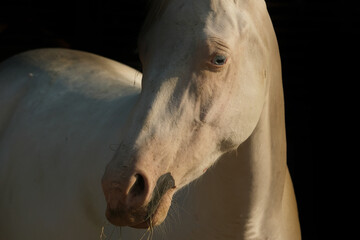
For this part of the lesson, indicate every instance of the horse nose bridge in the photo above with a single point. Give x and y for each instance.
(143, 123)
(157, 97)
(164, 108)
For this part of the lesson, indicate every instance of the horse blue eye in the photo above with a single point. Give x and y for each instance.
(219, 60)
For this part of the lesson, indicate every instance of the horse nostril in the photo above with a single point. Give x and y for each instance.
(138, 187)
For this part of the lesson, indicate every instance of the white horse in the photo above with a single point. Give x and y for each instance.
(211, 93)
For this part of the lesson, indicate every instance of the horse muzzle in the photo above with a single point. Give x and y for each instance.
(133, 201)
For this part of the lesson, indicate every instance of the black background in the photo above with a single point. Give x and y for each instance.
(110, 29)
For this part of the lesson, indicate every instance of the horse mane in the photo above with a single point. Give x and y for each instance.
(154, 12)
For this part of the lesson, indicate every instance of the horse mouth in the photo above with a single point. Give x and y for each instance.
(147, 217)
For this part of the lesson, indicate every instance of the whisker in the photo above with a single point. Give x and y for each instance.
(144, 234)
(112, 232)
(178, 209)
(150, 236)
(120, 234)
(102, 234)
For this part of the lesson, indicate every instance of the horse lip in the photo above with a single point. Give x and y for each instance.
(117, 220)
(122, 219)
(114, 217)
(144, 225)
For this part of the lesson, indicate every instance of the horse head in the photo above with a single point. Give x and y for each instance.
(203, 89)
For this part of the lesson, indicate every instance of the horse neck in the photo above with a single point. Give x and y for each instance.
(242, 193)
(264, 155)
